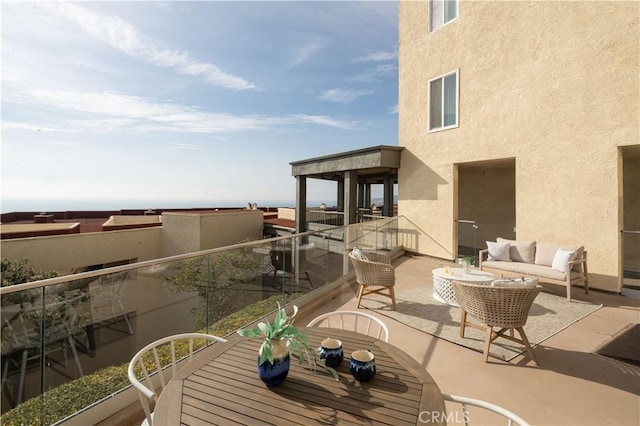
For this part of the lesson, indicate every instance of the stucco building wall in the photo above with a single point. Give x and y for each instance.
(191, 232)
(554, 85)
(180, 233)
(69, 253)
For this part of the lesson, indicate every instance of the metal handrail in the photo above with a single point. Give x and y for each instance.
(147, 263)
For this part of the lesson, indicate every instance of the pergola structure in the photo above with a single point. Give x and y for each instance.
(354, 172)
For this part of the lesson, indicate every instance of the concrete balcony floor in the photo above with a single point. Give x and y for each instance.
(571, 386)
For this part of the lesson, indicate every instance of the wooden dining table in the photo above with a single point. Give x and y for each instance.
(221, 386)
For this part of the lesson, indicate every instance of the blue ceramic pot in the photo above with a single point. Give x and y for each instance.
(275, 373)
(362, 365)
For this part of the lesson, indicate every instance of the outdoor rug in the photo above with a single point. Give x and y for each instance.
(416, 308)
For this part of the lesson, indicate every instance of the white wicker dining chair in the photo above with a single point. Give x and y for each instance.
(159, 362)
(374, 274)
(505, 307)
(466, 417)
(357, 321)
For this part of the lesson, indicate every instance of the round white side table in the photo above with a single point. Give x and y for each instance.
(443, 277)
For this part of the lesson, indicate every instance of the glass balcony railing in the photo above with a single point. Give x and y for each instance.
(473, 234)
(67, 341)
(325, 217)
(631, 260)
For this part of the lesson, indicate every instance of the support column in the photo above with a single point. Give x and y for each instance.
(387, 209)
(301, 204)
(350, 192)
(367, 196)
(361, 196)
(340, 195)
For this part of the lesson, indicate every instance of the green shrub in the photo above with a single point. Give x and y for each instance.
(17, 272)
(62, 401)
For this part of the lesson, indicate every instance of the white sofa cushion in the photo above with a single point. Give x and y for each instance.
(499, 251)
(525, 269)
(546, 252)
(579, 254)
(562, 258)
(515, 283)
(520, 251)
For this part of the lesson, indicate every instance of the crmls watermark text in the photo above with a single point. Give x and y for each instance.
(446, 418)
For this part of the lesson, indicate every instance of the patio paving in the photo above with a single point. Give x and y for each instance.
(571, 386)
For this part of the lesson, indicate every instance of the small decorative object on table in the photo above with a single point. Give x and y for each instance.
(331, 351)
(280, 338)
(466, 262)
(362, 365)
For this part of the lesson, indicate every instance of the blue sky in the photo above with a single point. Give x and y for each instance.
(154, 104)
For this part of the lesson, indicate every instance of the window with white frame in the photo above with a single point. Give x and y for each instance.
(442, 12)
(443, 101)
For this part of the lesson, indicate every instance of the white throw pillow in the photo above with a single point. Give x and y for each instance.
(358, 254)
(499, 251)
(562, 259)
(501, 283)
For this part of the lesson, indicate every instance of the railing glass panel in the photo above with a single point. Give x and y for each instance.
(473, 235)
(64, 330)
(631, 259)
(325, 217)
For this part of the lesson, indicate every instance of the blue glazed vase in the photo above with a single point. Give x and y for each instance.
(275, 373)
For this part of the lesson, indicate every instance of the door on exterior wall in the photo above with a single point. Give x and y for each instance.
(486, 193)
(630, 235)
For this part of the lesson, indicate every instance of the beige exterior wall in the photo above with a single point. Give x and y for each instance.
(286, 213)
(69, 253)
(180, 233)
(132, 220)
(554, 85)
(190, 232)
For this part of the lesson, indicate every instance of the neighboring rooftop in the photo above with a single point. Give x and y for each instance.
(32, 224)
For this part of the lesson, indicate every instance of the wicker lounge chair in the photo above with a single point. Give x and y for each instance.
(506, 307)
(374, 270)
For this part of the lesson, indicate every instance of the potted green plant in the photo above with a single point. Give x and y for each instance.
(466, 262)
(280, 338)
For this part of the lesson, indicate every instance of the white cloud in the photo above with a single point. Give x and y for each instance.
(378, 57)
(375, 73)
(325, 121)
(304, 52)
(14, 125)
(344, 95)
(184, 146)
(139, 114)
(63, 143)
(123, 36)
(394, 109)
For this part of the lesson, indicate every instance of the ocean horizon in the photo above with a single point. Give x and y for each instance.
(46, 206)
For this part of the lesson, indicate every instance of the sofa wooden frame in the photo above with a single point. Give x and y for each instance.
(581, 278)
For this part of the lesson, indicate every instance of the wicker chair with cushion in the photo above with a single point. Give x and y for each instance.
(374, 270)
(506, 307)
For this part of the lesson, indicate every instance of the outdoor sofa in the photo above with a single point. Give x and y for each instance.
(550, 263)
